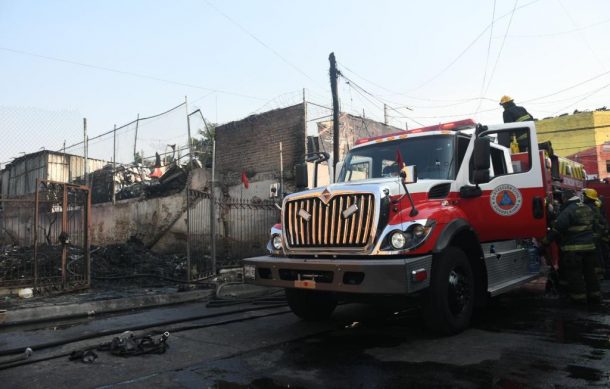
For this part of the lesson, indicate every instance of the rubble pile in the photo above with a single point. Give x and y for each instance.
(128, 264)
(133, 263)
(17, 263)
(131, 182)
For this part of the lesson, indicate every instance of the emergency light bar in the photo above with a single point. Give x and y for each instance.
(450, 126)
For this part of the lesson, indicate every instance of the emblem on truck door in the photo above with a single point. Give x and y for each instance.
(505, 200)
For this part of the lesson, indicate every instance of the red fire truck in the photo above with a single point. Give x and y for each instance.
(445, 213)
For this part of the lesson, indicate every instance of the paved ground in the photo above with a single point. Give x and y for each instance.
(523, 339)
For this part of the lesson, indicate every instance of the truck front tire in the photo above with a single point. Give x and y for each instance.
(451, 296)
(311, 305)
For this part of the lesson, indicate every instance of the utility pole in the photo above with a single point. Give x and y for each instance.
(333, 88)
(385, 114)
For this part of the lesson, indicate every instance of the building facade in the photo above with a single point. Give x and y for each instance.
(583, 137)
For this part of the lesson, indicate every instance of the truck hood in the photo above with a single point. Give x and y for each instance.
(377, 186)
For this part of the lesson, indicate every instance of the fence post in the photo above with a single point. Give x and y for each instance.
(213, 209)
(36, 200)
(88, 238)
(85, 151)
(114, 165)
(64, 231)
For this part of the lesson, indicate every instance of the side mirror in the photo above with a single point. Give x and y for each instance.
(300, 176)
(409, 174)
(481, 154)
(481, 160)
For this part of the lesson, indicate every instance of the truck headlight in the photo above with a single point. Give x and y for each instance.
(398, 240)
(276, 242)
(249, 272)
(412, 237)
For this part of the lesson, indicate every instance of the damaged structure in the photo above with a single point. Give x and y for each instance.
(178, 211)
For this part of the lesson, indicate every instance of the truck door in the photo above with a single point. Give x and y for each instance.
(511, 204)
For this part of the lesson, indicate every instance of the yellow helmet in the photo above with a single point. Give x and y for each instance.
(590, 193)
(505, 99)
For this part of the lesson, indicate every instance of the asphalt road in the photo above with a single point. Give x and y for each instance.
(523, 339)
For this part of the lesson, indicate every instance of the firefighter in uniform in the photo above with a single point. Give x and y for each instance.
(514, 113)
(574, 227)
(600, 228)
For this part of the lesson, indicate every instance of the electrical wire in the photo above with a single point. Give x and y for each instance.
(257, 39)
(128, 73)
(552, 34)
(469, 46)
(493, 15)
(363, 91)
(493, 72)
(584, 98)
(569, 87)
(583, 37)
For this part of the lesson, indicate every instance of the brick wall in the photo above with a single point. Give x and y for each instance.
(252, 144)
(351, 128)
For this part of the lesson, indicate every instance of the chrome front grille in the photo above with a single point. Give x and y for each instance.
(310, 222)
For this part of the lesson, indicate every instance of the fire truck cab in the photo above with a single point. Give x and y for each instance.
(454, 226)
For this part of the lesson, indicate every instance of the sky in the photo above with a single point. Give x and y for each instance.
(428, 61)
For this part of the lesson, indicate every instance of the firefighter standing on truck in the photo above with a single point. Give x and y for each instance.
(514, 113)
(600, 228)
(574, 227)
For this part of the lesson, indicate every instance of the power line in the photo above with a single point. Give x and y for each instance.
(561, 32)
(463, 52)
(259, 41)
(584, 98)
(359, 88)
(127, 73)
(583, 37)
(493, 72)
(493, 15)
(569, 87)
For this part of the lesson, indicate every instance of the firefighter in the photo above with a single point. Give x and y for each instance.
(574, 227)
(513, 112)
(600, 227)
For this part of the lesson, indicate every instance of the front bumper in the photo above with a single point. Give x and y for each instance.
(364, 276)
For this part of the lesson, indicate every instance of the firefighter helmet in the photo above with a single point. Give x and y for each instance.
(590, 193)
(505, 99)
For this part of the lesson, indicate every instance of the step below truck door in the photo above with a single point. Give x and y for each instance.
(511, 203)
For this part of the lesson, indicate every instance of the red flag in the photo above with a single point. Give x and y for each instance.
(244, 179)
(399, 160)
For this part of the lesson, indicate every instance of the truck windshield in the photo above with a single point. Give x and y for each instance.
(434, 157)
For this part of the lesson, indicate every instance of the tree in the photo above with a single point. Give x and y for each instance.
(202, 145)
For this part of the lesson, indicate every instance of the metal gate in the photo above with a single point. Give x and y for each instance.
(240, 228)
(49, 237)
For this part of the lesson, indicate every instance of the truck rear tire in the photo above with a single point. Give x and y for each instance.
(451, 295)
(311, 305)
